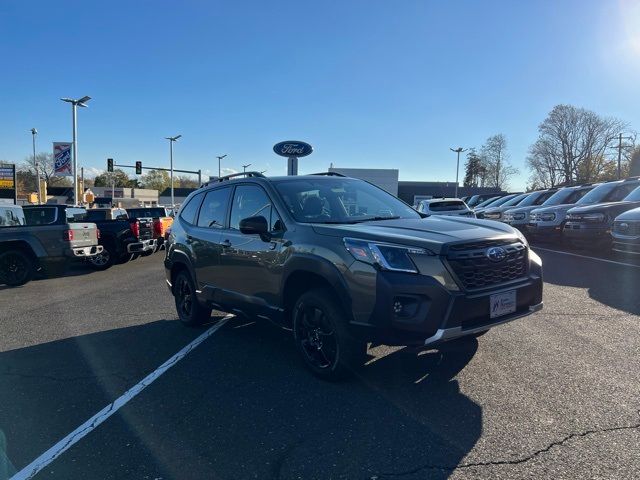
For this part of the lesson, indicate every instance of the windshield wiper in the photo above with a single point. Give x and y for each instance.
(372, 219)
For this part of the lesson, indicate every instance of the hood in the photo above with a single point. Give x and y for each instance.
(499, 209)
(605, 207)
(432, 232)
(633, 214)
(554, 208)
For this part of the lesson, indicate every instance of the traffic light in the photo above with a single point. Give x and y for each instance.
(138, 168)
(109, 164)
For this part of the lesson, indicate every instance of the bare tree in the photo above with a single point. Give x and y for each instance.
(495, 160)
(47, 169)
(573, 145)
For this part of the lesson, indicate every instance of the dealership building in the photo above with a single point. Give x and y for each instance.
(409, 191)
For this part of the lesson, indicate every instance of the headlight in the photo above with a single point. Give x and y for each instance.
(594, 217)
(386, 256)
(519, 216)
(493, 215)
(574, 216)
(522, 238)
(547, 217)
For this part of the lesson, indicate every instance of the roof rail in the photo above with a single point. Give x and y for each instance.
(628, 179)
(329, 174)
(233, 175)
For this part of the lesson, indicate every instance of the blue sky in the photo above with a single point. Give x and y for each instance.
(368, 83)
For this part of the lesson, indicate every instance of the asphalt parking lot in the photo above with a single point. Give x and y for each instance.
(554, 395)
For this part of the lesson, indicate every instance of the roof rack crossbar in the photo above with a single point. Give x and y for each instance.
(233, 175)
(329, 174)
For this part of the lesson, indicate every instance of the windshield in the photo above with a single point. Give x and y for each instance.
(634, 196)
(339, 200)
(515, 200)
(598, 194)
(566, 196)
(487, 202)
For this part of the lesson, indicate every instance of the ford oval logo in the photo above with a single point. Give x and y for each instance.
(496, 254)
(624, 226)
(292, 148)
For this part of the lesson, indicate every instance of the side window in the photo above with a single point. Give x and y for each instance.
(214, 208)
(190, 210)
(251, 201)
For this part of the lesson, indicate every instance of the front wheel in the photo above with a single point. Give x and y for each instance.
(321, 336)
(16, 268)
(190, 311)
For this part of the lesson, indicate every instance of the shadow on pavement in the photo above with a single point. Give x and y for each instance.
(242, 405)
(610, 284)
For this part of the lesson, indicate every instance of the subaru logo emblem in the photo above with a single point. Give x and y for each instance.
(496, 254)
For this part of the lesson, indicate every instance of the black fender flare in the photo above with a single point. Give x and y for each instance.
(179, 257)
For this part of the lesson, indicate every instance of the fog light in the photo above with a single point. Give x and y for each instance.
(397, 307)
(405, 307)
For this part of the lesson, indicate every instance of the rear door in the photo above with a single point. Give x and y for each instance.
(249, 270)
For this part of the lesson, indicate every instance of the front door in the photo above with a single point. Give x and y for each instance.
(250, 268)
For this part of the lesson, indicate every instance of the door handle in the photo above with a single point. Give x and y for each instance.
(225, 244)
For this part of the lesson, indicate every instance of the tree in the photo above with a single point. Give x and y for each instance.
(157, 180)
(634, 163)
(47, 168)
(495, 159)
(474, 169)
(121, 179)
(573, 146)
(185, 181)
(26, 182)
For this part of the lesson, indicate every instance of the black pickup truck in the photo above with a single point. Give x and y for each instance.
(120, 236)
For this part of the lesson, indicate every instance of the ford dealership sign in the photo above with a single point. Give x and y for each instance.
(292, 149)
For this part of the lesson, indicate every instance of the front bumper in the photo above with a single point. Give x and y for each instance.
(431, 313)
(142, 246)
(536, 229)
(587, 234)
(626, 243)
(84, 252)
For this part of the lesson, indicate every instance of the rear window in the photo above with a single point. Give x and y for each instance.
(40, 216)
(448, 205)
(189, 211)
(76, 215)
(621, 192)
(96, 215)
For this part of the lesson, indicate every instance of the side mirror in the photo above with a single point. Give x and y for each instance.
(256, 226)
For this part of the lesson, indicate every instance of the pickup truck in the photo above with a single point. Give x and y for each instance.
(162, 221)
(120, 236)
(51, 237)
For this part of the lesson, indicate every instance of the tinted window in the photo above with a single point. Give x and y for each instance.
(598, 194)
(40, 216)
(76, 215)
(634, 196)
(448, 205)
(147, 212)
(190, 210)
(11, 217)
(621, 192)
(214, 208)
(515, 200)
(96, 215)
(250, 201)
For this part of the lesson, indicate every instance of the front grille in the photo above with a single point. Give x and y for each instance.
(626, 228)
(475, 270)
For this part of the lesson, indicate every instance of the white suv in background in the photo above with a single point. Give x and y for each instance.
(445, 206)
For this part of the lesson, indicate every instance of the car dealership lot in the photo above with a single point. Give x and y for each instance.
(552, 395)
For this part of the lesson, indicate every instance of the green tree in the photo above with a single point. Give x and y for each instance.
(185, 181)
(473, 169)
(634, 163)
(121, 179)
(157, 180)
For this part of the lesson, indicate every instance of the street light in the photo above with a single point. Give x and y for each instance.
(244, 167)
(81, 102)
(171, 140)
(220, 158)
(34, 132)
(458, 150)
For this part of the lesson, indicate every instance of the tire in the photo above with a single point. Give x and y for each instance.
(103, 260)
(190, 311)
(16, 268)
(321, 336)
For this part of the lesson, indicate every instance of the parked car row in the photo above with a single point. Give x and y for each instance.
(47, 238)
(593, 216)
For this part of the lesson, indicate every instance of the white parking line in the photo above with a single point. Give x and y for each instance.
(59, 448)
(586, 256)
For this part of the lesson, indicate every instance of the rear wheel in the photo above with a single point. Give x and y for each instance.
(16, 268)
(321, 336)
(190, 311)
(104, 259)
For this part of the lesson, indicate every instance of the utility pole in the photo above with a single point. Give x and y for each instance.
(34, 132)
(458, 150)
(81, 192)
(219, 159)
(620, 138)
(171, 140)
(244, 167)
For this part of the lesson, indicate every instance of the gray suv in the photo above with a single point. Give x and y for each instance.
(343, 263)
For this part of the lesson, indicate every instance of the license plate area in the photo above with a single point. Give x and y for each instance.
(501, 304)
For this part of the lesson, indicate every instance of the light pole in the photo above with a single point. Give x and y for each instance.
(458, 150)
(81, 102)
(244, 167)
(171, 140)
(219, 159)
(34, 132)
